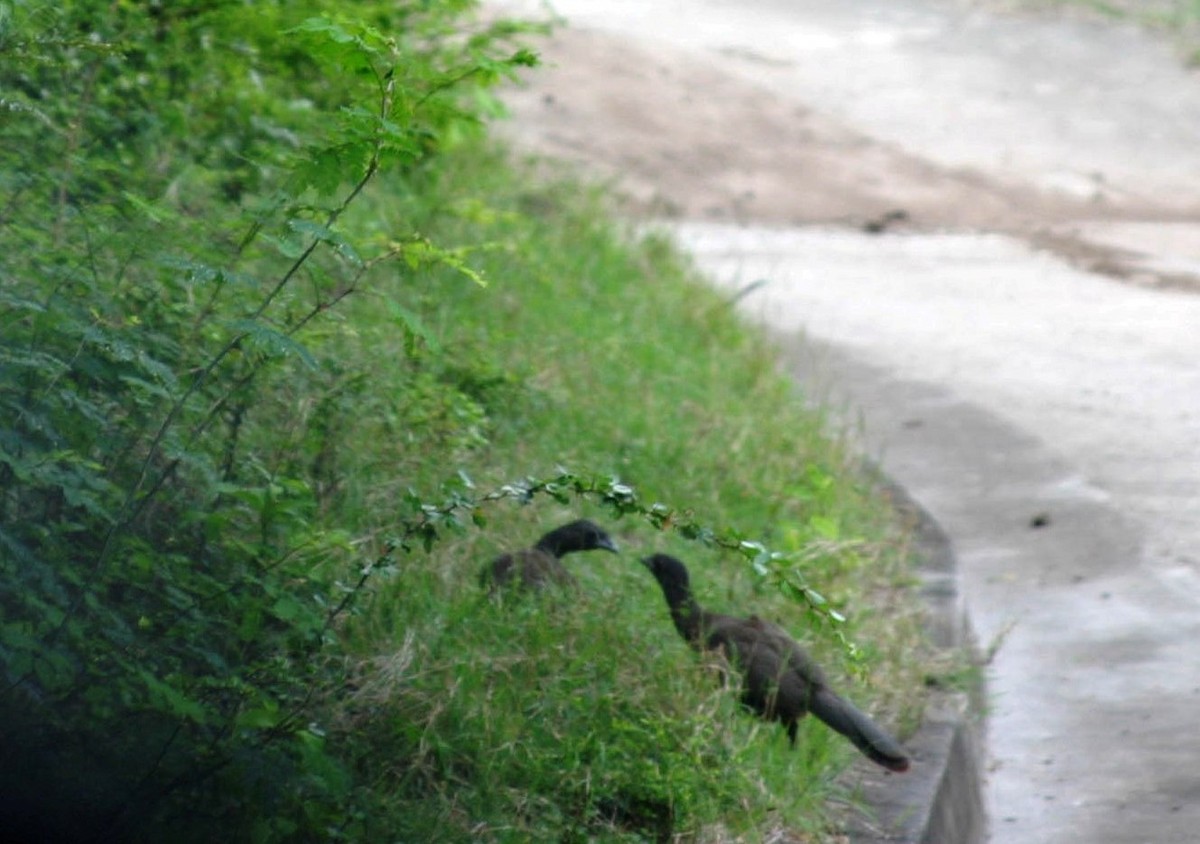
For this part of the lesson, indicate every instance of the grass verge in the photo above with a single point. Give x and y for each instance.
(574, 716)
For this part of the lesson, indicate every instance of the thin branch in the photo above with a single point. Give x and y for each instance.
(624, 500)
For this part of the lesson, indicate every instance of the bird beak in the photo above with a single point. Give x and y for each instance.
(609, 545)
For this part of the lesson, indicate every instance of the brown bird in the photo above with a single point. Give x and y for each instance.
(780, 681)
(541, 565)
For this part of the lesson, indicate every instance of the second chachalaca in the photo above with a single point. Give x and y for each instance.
(780, 681)
(541, 565)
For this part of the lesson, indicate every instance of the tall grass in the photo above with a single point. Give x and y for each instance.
(268, 297)
(599, 350)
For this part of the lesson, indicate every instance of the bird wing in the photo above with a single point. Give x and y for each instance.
(833, 709)
(538, 569)
(769, 685)
(796, 657)
(531, 567)
(805, 681)
(498, 572)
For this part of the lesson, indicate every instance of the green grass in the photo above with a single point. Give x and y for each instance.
(599, 350)
(243, 364)
(1177, 19)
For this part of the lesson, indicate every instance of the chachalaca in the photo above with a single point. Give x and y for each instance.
(541, 565)
(780, 681)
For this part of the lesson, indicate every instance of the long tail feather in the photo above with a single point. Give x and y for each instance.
(855, 725)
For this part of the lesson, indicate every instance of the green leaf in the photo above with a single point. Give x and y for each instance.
(260, 718)
(52, 670)
(290, 248)
(155, 213)
(287, 608)
(271, 342)
(250, 625)
(825, 527)
(413, 326)
(147, 387)
(337, 242)
(11, 300)
(325, 27)
(172, 700)
(759, 563)
(198, 272)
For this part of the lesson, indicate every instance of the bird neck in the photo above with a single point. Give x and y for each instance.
(688, 618)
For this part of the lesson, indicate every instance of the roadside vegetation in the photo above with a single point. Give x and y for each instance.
(1178, 20)
(288, 350)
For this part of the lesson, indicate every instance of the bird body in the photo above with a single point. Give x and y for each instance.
(541, 566)
(531, 568)
(780, 681)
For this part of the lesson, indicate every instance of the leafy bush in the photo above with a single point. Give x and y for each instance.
(171, 253)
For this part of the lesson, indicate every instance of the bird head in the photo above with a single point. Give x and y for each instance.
(580, 535)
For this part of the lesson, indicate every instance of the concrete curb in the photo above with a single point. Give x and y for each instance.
(940, 800)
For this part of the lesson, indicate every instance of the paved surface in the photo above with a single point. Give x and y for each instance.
(1081, 108)
(1082, 413)
(1046, 414)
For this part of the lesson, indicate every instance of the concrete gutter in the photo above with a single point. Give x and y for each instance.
(940, 800)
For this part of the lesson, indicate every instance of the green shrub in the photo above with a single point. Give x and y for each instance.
(171, 254)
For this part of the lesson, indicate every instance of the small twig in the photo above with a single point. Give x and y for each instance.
(746, 291)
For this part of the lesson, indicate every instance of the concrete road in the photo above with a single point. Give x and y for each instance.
(1050, 421)
(1045, 412)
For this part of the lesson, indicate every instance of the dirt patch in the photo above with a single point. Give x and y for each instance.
(680, 138)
